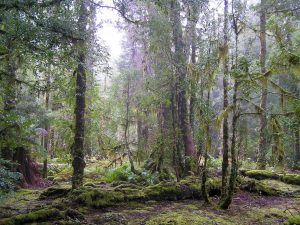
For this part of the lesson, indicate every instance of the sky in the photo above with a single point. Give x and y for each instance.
(109, 33)
(112, 36)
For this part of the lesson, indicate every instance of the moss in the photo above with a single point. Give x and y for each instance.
(55, 192)
(291, 179)
(295, 220)
(90, 184)
(164, 191)
(213, 186)
(262, 174)
(98, 198)
(74, 214)
(176, 218)
(35, 216)
(111, 219)
(186, 218)
(269, 187)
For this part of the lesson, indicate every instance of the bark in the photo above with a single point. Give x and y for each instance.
(262, 151)
(193, 82)
(207, 148)
(297, 144)
(225, 105)
(225, 203)
(126, 128)
(181, 71)
(47, 128)
(78, 145)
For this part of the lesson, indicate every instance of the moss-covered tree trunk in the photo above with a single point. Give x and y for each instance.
(225, 103)
(226, 201)
(47, 128)
(78, 145)
(207, 149)
(181, 71)
(297, 144)
(262, 150)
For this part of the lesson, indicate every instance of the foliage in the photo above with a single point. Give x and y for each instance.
(8, 179)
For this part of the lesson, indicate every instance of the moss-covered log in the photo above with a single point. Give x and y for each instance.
(269, 187)
(186, 189)
(265, 174)
(35, 216)
(262, 174)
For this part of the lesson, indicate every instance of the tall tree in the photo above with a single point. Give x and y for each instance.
(78, 145)
(224, 54)
(262, 151)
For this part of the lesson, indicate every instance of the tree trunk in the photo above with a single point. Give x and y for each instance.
(126, 128)
(225, 105)
(78, 145)
(207, 148)
(233, 173)
(262, 151)
(47, 128)
(181, 70)
(297, 144)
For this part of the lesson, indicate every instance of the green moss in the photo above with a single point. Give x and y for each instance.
(269, 187)
(55, 192)
(186, 218)
(262, 174)
(111, 219)
(35, 216)
(295, 220)
(291, 179)
(164, 190)
(90, 184)
(100, 198)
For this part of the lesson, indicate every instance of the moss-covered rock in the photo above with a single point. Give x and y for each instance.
(295, 220)
(35, 216)
(262, 174)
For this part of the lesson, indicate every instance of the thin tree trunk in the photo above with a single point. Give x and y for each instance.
(207, 148)
(297, 144)
(47, 128)
(78, 146)
(233, 173)
(262, 151)
(127, 127)
(225, 105)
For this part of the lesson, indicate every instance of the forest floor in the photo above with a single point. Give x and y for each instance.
(247, 208)
(273, 203)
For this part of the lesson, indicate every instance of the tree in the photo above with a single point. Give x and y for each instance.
(262, 151)
(78, 146)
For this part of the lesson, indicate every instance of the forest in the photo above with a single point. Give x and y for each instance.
(196, 120)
